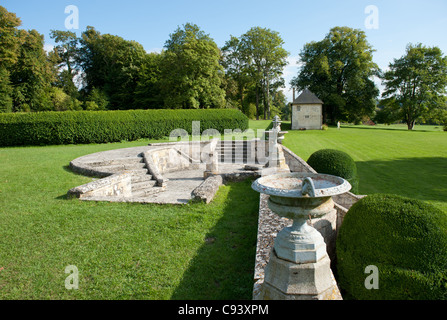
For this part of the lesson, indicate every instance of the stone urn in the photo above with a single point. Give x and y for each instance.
(299, 267)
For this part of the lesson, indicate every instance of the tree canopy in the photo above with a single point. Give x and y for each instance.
(256, 60)
(191, 75)
(339, 69)
(415, 86)
(96, 71)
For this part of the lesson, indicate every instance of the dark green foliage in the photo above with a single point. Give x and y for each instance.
(406, 239)
(79, 127)
(337, 163)
(415, 85)
(339, 69)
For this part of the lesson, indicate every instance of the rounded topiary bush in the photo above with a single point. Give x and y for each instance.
(337, 163)
(405, 239)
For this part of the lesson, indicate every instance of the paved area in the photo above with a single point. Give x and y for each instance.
(179, 186)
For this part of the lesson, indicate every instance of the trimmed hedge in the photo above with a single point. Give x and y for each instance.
(405, 239)
(337, 163)
(83, 127)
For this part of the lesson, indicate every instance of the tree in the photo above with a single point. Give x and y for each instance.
(65, 56)
(8, 37)
(31, 76)
(9, 49)
(415, 85)
(147, 92)
(191, 75)
(112, 65)
(26, 73)
(265, 59)
(339, 70)
(237, 71)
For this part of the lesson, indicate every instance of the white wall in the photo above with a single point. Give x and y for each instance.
(307, 116)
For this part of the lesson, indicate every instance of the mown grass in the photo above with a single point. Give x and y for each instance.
(122, 251)
(197, 251)
(390, 159)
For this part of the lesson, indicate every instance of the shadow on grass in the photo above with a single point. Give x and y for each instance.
(223, 267)
(387, 129)
(420, 178)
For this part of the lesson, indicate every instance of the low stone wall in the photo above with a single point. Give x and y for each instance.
(119, 185)
(169, 157)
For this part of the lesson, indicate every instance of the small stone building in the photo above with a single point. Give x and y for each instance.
(307, 111)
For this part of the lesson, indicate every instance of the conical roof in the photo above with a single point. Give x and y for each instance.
(307, 97)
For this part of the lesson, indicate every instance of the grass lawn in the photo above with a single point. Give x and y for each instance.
(390, 159)
(197, 251)
(122, 251)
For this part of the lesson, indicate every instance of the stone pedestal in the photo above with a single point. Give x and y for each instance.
(276, 157)
(286, 280)
(299, 266)
(211, 158)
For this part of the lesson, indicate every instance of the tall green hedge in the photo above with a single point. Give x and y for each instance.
(405, 239)
(82, 127)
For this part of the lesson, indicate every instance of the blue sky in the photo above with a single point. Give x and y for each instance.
(150, 22)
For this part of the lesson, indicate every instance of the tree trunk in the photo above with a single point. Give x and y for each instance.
(241, 89)
(264, 100)
(268, 98)
(257, 102)
(410, 124)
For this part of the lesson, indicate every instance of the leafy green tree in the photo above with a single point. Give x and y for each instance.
(148, 91)
(65, 58)
(26, 73)
(9, 48)
(415, 85)
(237, 71)
(9, 34)
(339, 69)
(191, 75)
(98, 99)
(280, 105)
(62, 101)
(113, 65)
(5, 91)
(265, 60)
(32, 75)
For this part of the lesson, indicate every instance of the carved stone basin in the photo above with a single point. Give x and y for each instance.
(300, 196)
(300, 185)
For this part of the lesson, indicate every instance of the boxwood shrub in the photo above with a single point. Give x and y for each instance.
(82, 127)
(337, 163)
(405, 239)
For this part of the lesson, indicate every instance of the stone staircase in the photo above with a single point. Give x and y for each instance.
(143, 183)
(237, 151)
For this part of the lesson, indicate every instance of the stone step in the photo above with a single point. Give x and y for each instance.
(146, 192)
(227, 148)
(117, 161)
(139, 172)
(137, 186)
(105, 199)
(139, 177)
(122, 167)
